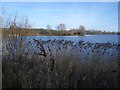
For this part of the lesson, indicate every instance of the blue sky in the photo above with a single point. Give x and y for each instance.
(93, 15)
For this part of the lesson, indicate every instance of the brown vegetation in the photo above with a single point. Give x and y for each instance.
(56, 63)
(47, 67)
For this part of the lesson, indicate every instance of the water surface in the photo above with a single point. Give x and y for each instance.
(87, 38)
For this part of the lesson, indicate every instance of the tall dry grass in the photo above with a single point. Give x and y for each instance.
(37, 65)
(43, 69)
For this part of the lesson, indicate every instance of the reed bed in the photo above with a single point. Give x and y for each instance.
(58, 64)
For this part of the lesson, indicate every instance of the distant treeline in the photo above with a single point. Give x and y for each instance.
(100, 32)
(22, 27)
(46, 32)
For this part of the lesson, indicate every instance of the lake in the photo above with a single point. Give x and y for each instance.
(87, 38)
(78, 46)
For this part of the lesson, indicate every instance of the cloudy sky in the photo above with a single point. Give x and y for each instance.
(93, 15)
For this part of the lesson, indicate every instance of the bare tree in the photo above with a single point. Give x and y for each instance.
(61, 27)
(81, 30)
(15, 34)
(49, 28)
(17, 25)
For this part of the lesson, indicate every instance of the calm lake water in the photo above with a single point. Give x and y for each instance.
(87, 38)
(98, 46)
(82, 50)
